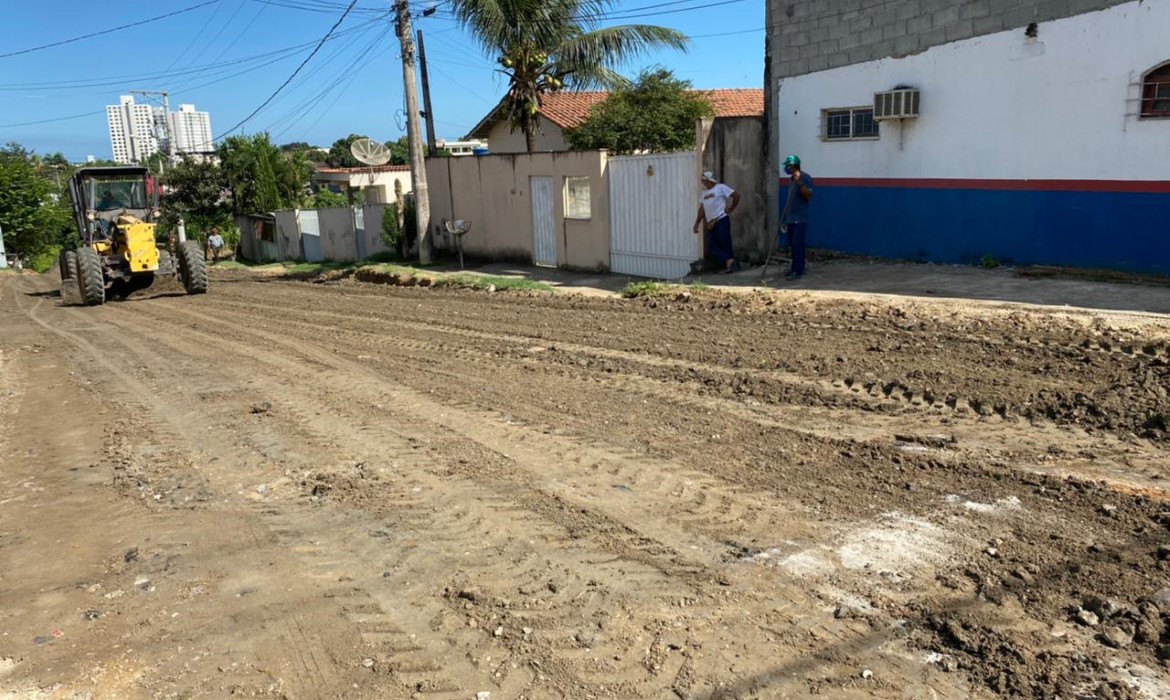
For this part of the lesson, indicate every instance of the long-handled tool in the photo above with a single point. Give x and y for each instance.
(775, 251)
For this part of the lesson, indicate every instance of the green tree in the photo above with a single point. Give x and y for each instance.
(656, 114)
(260, 176)
(324, 199)
(32, 213)
(548, 45)
(399, 151)
(339, 154)
(196, 194)
(267, 193)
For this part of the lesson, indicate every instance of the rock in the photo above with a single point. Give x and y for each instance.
(552, 587)
(527, 631)
(368, 663)
(992, 552)
(1086, 618)
(584, 639)
(948, 664)
(1164, 652)
(840, 613)
(473, 594)
(1164, 552)
(1161, 599)
(867, 674)
(91, 615)
(131, 555)
(1101, 607)
(1148, 632)
(499, 632)
(1108, 509)
(1116, 637)
(483, 695)
(260, 408)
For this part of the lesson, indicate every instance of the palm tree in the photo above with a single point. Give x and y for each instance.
(549, 45)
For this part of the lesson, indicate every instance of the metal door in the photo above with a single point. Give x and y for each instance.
(311, 236)
(543, 222)
(653, 200)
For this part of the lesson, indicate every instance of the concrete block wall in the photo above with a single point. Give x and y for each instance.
(807, 36)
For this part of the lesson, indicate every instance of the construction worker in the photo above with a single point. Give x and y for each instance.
(795, 215)
(716, 203)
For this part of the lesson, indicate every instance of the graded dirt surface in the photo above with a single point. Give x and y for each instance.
(357, 491)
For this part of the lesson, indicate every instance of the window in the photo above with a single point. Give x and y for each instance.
(848, 123)
(1156, 92)
(577, 204)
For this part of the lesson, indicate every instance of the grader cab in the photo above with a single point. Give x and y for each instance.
(115, 210)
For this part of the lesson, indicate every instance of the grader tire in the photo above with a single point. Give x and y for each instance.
(192, 268)
(69, 265)
(67, 272)
(90, 281)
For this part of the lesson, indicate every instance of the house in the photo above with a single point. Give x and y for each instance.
(379, 182)
(1030, 132)
(565, 110)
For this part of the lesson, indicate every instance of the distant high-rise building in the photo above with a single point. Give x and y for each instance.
(133, 137)
(139, 131)
(192, 130)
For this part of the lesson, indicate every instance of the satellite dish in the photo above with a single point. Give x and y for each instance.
(370, 152)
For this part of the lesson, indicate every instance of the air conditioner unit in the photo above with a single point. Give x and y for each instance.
(896, 104)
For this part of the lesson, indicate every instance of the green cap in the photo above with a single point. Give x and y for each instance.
(794, 161)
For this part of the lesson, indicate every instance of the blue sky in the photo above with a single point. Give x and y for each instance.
(228, 56)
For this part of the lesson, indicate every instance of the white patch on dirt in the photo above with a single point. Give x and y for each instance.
(900, 544)
(897, 544)
(1009, 503)
(1145, 680)
(6, 666)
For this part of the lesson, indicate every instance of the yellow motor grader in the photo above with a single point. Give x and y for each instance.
(115, 210)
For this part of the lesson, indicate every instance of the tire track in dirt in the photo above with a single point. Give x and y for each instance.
(512, 440)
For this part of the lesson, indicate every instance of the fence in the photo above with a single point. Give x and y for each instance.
(339, 234)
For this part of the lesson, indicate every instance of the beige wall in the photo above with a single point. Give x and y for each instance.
(493, 193)
(548, 138)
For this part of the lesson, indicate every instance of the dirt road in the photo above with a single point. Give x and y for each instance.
(348, 490)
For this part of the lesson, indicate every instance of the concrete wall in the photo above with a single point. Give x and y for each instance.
(372, 233)
(1027, 149)
(814, 35)
(337, 234)
(288, 235)
(731, 147)
(493, 193)
(548, 138)
(807, 36)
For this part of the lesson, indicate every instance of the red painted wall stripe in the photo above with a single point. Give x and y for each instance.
(1132, 186)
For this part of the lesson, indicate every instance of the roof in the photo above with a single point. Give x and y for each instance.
(570, 109)
(365, 169)
(99, 170)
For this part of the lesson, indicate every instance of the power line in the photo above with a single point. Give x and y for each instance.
(49, 121)
(107, 31)
(294, 73)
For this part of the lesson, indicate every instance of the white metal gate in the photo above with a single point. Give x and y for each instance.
(310, 235)
(543, 222)
(653, 200)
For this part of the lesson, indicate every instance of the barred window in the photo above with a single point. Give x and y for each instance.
(849, 123)
(1156, 92)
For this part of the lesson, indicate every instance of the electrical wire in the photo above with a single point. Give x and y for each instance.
(294, 73)
(107, 31)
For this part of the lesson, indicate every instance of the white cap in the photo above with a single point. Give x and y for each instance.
(709, 176)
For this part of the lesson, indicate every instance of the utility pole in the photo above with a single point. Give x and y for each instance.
(418, 169)
(169, 131)
(432, 150)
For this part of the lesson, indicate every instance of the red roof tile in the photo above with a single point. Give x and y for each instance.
(569, 109)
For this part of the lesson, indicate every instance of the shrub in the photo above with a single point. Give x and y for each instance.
(44, 260)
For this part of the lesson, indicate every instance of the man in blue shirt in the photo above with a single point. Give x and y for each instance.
(794, 218)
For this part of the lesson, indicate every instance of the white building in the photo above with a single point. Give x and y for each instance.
(1039, 133)
(380, 183)
(139, 131)
(133, 130)
(192, 130)
(461, 148)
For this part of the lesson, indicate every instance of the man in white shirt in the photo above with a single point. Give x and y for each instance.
(716, 203)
